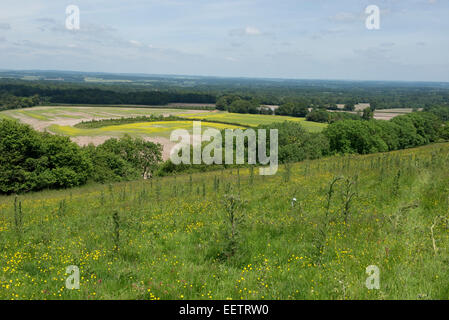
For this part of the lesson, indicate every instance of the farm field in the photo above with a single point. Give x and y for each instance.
(387, 114)
(253, 120)
(55, 114)
(157, 132)
(40, 117)
(174, 238)
(62, 119)
(146, 129)
(384, 114)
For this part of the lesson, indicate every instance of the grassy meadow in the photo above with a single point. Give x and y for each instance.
(233, 234)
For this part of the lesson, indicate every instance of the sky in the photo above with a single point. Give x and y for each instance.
(300, 39)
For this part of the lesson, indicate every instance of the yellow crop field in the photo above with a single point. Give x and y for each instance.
(151, 129)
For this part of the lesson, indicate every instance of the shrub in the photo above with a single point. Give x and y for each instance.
(296, 144)
(30, 160)
(318, 115)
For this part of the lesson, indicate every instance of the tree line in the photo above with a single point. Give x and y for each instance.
(235, 95)
(347, 136)
(360, 136)
(291, 107)
(9, 101)
(18, 94)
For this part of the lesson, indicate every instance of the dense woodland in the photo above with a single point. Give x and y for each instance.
(234, 95)
(79, 94)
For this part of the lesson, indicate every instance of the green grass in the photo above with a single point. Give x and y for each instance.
(254, 120)
(175, 238)
(5, 116)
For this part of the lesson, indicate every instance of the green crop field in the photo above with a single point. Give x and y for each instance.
(235, 235)
(254, 120)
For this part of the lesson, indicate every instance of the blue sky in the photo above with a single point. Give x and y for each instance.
(305, 39)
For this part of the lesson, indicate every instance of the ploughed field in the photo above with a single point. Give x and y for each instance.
(57, 119)
(233, 234)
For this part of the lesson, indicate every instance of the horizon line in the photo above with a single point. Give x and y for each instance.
(218, 77)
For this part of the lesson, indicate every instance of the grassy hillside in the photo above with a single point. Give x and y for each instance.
(233, 235)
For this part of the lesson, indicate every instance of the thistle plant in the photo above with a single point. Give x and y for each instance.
(111, 193)
(233, 206)
(62, 208)
(204, 189)
(116, 230)
(238, 178)
(320, 238)
(18, 216)
(102, 200)
(348, 194)
(396, 183)
(158, 192)
(251, 175)
(287, 172)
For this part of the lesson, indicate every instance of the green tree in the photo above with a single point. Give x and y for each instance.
(368, 114)
(142, 155)
(30, 160)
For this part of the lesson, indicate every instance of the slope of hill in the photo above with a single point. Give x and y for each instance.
(235, 234)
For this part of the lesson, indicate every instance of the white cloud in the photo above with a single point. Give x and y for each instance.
(135, 43)
(251, 31)
(247, 31)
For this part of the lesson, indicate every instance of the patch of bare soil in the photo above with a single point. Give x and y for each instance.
(385, 116)
(86, 140)
(41, 125)
(35, 123)
(167, 145)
